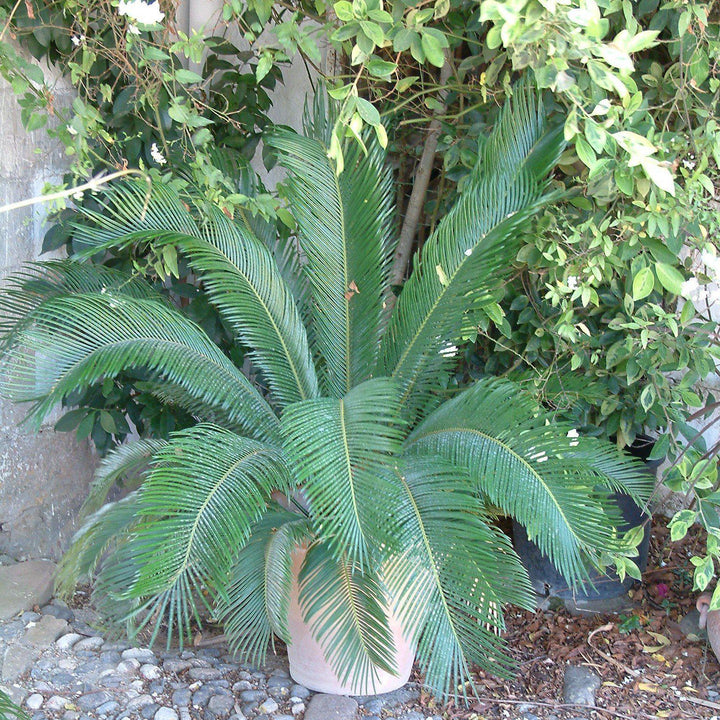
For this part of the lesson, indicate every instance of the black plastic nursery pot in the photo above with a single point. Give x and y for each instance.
(546, 579)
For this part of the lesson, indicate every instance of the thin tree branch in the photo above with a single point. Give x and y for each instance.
(420, 184)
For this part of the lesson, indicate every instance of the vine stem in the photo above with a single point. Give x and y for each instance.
(9, 20)
(92, 184)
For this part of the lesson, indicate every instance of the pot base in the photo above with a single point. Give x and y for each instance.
(309, 668)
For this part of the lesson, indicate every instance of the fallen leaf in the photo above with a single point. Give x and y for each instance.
(647, 687)
(660, 638)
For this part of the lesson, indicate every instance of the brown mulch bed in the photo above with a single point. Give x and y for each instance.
(648, 667)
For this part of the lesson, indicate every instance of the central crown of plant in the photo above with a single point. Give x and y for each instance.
(387, 482)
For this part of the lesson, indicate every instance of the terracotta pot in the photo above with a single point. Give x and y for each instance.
(711, 620)
(308, 666)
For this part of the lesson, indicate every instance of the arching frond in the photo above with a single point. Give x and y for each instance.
(9, 710)
(75, 341)
(125, 461)
(26, 290)
(340, 450)
(254, 606)
(456, 573)
(472, 249)
(244, 283)
(344, 224)
(100, 532)
(346, 609)
(194, 511)
(238, 271)
(532, 470)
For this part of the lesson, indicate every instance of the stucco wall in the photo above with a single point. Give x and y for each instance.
(43, 477)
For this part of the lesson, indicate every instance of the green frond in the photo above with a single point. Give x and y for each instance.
(132, 212)
(472, 249)
(125, 461)
(25, 291)
(244, 283)
(346, 609)
(530, 469)
(237, 270)
(75, 341)
(344, 224)
(340, 451)
(455, 575)
(194, 512)
(618, 471)
(8, 709)
(254, 606)
(99, 534)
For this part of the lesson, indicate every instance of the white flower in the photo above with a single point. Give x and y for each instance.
(77, 40)
(133, 29)
(572, 282)
(141, 12)
(157, 156)
(711, 261)
(690, 288)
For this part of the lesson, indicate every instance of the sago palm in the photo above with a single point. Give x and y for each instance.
(344, 443)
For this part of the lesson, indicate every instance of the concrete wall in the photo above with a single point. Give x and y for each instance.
(43, 477)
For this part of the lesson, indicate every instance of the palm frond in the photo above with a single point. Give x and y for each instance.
(238, 271)
(455, 575)
(101, 532)
(8, 709)
(125, 461)
(532, 471)
(284, 249)
(245, 284)
(344, 227)
(194, 511)
(254, 606)
(347, 611)
(27, 290)
(472, 249)
(77, 340)
(340, 450)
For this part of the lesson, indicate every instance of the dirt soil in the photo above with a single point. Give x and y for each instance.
(648, 666)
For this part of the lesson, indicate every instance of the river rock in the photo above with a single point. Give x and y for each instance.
(46, 631)
(331, 707)
(67, 641)
(16, 660)
(579, 685)
(166, 713)
(24, 585)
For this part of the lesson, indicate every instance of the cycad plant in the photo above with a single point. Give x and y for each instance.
(344, 442)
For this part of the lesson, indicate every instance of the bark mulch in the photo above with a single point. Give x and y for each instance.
(648, 667)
